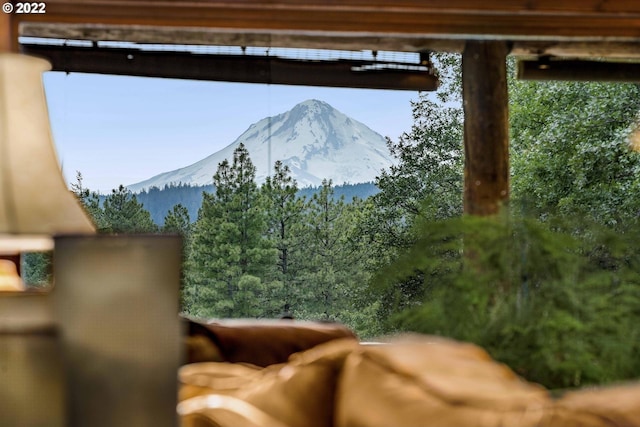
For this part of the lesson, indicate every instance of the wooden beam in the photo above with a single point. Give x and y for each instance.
(235, 68)
(575, 70)
(464, 19)
(486, 126)
(610, 49)
(225, 37)
(397, 43)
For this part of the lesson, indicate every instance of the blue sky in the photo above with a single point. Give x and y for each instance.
(122, 130)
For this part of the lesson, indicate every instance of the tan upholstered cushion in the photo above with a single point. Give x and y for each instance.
(258, 342)
(223, 411)
(198, 379)
(434, 382)
(299, 393)
(414, 381)
(617, 406)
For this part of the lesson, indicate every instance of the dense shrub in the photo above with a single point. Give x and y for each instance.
(558, 301)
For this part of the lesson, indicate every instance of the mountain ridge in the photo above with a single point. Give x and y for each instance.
(314, 139)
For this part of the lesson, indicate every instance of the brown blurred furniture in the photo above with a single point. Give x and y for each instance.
(413, 381)
(258, 342)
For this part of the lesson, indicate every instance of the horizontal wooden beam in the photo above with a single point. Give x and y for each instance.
(226, 37)
(399, 43)
(577, 49)
(574, 70)
(236, 68)
(468, 19)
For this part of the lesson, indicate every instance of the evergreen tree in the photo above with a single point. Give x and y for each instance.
(329, 270)
(284, 223)
(177, 221)
(90, 201)
(229, 245)
(427, 181)
(159, 201)
(425, 184)
(124, 214)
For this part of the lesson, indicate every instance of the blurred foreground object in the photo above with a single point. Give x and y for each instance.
(9, 278)
(258, 342)
(32, 388)
(35, 203)
(412, 381)
(116, 301)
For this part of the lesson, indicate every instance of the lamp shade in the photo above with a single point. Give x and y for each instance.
(35, 203)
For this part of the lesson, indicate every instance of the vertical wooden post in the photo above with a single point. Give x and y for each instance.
(8, 33)
(486, 126)
(5, 32)
(6, 45)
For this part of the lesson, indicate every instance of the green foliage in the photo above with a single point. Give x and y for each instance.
(557, 300)
(429, 168)
(228, 245)
(120, 212)
(284, 212)
(90, 201)
(337, 263)
(532, 293)
(570, 149)
(361, 190)
(177, 221)
(426, 183)
(36, 269)
(160, 201)
(124, 214)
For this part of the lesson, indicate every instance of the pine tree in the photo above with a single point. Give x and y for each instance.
(229, 245)
(124, 214)
(284, 216)
(177, 221)
(327, 266)
(90, 201)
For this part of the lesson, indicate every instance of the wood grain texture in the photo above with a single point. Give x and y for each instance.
(8, 33)
(486, 129)
(454, 18)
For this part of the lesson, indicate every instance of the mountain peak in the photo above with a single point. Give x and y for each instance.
(314, 105)
(314, 139)
(311, 107)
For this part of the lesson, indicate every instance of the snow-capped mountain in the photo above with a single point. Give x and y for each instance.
(314, 139)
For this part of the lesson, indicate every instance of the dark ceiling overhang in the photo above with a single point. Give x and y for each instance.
(569, 29)
(506, 19)
(577, 28)
(244, 68)
(546, 68)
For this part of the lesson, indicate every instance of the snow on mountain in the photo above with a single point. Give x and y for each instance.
(314, 139)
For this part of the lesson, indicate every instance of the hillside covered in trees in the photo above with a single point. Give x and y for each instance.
(160, 201)
(550, 286)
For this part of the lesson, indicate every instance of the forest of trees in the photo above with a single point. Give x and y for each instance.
(552, 286)
(159, 201)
